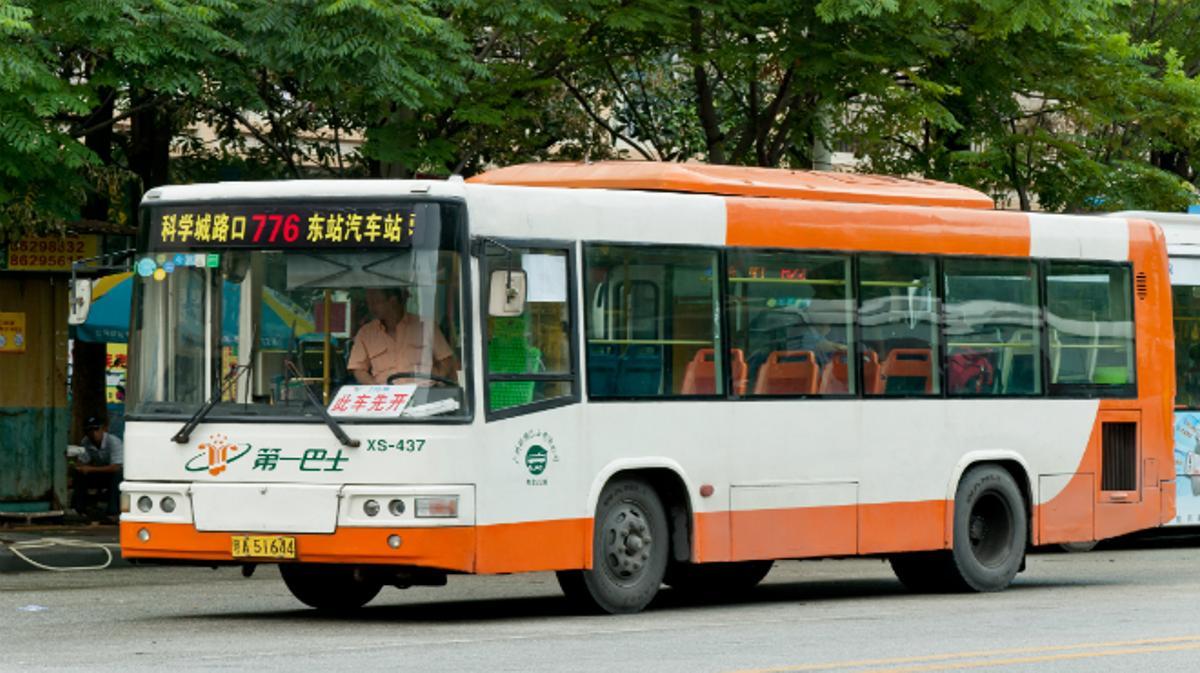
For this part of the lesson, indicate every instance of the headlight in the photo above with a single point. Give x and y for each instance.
(145, 504)
(396, 507)
(167, 504)
(371, 507)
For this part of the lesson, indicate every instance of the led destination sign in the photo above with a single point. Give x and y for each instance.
(212, 227)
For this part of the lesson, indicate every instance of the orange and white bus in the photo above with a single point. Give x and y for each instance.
(636, 374)
(1182, 231)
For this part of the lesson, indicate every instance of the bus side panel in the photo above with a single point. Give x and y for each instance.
(794, 520)
(532, 545)
(1156, 363)
(904, 526)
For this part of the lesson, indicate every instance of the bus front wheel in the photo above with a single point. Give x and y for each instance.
(329, 588)
(717, 578)
(629, 551)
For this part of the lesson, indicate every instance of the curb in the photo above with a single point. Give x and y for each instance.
(59, 553)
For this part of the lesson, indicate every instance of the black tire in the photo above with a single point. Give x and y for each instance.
(927, 572)
(329, 588)
(630, 545)
(715, 579)
(1077, 547)
(990, 533)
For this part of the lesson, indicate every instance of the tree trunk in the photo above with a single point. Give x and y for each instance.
(88, 375)
(150, 143)
(714, 140)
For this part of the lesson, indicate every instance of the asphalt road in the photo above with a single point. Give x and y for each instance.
(1127, 609)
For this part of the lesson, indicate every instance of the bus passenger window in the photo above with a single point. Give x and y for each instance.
(1089, 308)
(652, 325)
(992, 330)
(898, 312)
(1185, 299)
(792, 315)
(529, 358)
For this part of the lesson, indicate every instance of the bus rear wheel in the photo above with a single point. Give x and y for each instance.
(629, 551)
(329, 588)
(990, 532)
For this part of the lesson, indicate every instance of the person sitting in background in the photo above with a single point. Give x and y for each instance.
(99, 466)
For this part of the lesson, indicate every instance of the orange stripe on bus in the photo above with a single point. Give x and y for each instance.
(534, 545)
(803, 532)
(854, 228)
(793, 532)
(519, 547)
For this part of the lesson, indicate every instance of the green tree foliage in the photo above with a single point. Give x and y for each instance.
(1063, 110)
(1058, 104)
(39, 163)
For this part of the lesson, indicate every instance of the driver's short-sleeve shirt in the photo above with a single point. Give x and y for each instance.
(381, 354)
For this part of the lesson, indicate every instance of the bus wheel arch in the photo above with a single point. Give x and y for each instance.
(639, 521)
(990, 528)
(1011, 462)
(667, 479)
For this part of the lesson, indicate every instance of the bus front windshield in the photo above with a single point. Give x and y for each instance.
(270, 332)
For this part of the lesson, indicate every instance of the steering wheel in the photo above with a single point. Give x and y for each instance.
(421, 375)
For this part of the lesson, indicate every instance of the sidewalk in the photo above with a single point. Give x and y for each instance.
(65, 546)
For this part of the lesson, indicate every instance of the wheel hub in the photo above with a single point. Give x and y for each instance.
(627, 541)
(989, 530)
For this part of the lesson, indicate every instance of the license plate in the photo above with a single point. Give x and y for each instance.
(264, 546)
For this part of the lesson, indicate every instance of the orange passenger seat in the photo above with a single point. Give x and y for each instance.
(788, 373)
(835, 376)
(908, 371)
(700, 378)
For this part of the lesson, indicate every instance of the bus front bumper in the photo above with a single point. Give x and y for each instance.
(422, 525)
(444, 548)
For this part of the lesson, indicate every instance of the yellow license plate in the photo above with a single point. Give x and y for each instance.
(264, 546)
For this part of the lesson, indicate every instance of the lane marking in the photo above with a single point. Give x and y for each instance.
(933, 659)
(1043, 659)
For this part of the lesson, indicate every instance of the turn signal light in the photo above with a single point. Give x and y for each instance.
(445, 507)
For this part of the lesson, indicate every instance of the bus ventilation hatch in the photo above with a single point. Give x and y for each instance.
(1141, 285)
(1119, 444)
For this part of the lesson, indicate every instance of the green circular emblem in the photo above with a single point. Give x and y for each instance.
(535, 459)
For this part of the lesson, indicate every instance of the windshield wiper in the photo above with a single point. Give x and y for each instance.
(185, 432)
(312, 397)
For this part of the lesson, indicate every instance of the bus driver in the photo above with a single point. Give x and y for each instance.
(394, 343)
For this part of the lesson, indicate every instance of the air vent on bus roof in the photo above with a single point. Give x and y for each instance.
(1141, 284)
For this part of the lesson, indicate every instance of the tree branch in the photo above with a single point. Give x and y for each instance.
(713, 138)
(77, 132)
(587, 108)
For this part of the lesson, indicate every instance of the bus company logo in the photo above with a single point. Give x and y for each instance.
(215, 454)
(536, 458)
(535, 450)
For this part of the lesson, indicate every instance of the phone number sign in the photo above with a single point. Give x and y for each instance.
(49, 253)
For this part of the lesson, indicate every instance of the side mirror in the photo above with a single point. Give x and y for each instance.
(506, 296)
(81, 301)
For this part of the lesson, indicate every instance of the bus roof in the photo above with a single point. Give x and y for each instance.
(1182, 230)
(740, 181)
